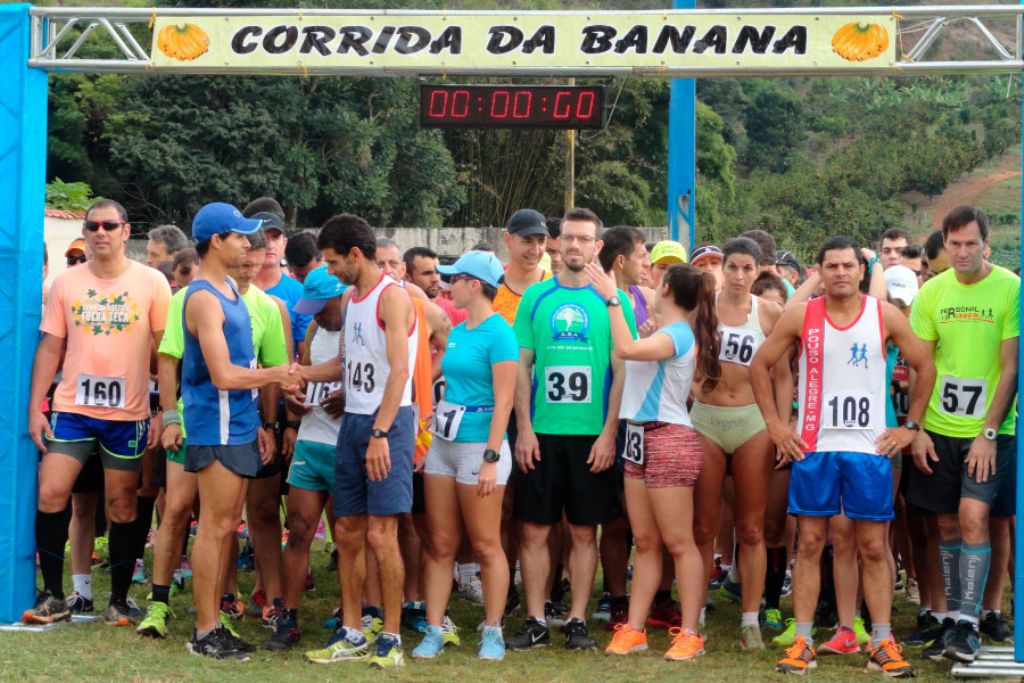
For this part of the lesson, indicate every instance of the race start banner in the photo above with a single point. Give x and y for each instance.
(584, 43)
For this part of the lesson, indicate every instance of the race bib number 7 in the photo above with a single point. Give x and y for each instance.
(568, 384)
(847, 411)
(634, 450)
(447, 418)
(963, 397)
(99, 392)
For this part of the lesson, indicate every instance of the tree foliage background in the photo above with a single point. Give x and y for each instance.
(801, 158)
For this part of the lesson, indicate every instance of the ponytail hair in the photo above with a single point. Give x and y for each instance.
(693, 290)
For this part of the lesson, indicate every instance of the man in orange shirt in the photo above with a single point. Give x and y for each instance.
(104, 317)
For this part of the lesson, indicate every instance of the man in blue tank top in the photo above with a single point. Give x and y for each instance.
(219, 380)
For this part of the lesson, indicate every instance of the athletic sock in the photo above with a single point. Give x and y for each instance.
(202, 634)
(467, 571)
(161, 594)
(923, 610)
(880, 632)
(143, 523)
(803, 629)
(122, 560)
(700, 620)
(542, 621)
(83, 585)
(974, 563)
(748, 619)
(775, 577)
(949, 558)
(986, 612)
(51, 537)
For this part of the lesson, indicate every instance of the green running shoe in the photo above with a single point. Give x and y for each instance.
(788, 635)
(863, 637)
(228, 623)
(154, 624)
(339, 649)
(450, 632)
(389, 653)
(371, 627)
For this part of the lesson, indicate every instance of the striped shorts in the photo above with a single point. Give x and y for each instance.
(673, 456)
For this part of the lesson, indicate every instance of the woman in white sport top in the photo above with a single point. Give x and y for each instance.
(663, 454)
(735, 438)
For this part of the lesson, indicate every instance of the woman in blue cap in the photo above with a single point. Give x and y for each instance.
(469, 460)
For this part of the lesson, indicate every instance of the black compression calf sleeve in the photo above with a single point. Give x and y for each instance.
(122, 560)
(51, 537)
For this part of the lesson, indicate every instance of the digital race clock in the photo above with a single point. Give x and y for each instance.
(511, 106)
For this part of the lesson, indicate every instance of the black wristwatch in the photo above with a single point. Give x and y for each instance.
(273, 426)
(613, 300)
(293, 424)
(911, 425)
(491, 455)
(378, 433)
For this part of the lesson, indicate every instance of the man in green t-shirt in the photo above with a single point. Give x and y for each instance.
(969, 316)
(270, 344)
(568, 391)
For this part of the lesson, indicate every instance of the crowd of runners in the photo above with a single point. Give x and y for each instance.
(728, 422)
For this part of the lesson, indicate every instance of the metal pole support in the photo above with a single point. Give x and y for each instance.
(682, 154)
(22, 192)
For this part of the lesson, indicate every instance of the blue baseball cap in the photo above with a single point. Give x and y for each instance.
(483, 265)
(218, 217)
(319, 287)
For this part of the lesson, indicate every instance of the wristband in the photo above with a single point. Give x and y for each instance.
(171, 417)
(294, 424)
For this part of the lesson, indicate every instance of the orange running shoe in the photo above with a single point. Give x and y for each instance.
(686, 645)
(799, 658)
(626, 641)
(887, 657)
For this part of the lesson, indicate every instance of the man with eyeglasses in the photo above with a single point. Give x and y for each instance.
(102, 318)
(894, 241)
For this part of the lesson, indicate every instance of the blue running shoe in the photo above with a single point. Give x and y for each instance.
(492, 644)
(432, 644)
(414, 617)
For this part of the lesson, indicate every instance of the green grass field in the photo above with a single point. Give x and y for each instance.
(96, 651)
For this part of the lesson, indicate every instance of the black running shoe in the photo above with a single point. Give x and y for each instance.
(286, 634)
(963, 646)
(576, 635)
(554, 614)
(938, 645)
(928, 628)
(47, 609)
(532, 634)
(218, 644)
(994, 626)
(78, 604)
(238, 643)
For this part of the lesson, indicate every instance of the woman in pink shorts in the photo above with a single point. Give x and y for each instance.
(663, 454)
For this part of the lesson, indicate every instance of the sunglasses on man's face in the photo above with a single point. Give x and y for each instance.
(75, 260)
(93, 226)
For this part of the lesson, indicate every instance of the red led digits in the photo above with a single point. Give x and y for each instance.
(499, 104)
(585, 105)
(460, 110)
(438, 104)
(562, 108)
(522, 104)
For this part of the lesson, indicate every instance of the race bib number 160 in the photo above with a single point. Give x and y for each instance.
(100, 392)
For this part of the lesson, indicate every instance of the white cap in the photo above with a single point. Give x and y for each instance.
(902, 284)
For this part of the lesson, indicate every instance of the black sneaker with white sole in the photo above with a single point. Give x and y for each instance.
(937, 647)
(963, 646)
(532, 634)
(79, 604)
(576, 635)
(217, 644)
(995, 627)
(928, 627)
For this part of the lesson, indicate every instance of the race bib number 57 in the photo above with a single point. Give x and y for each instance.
(963, 397)
(567, 384)
(99, 392)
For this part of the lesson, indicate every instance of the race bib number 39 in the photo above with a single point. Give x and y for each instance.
(963, 397)
(848, 410)
(568, 384)
(738, 345)
(634, 450)
(447, 418)
(99, 392)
